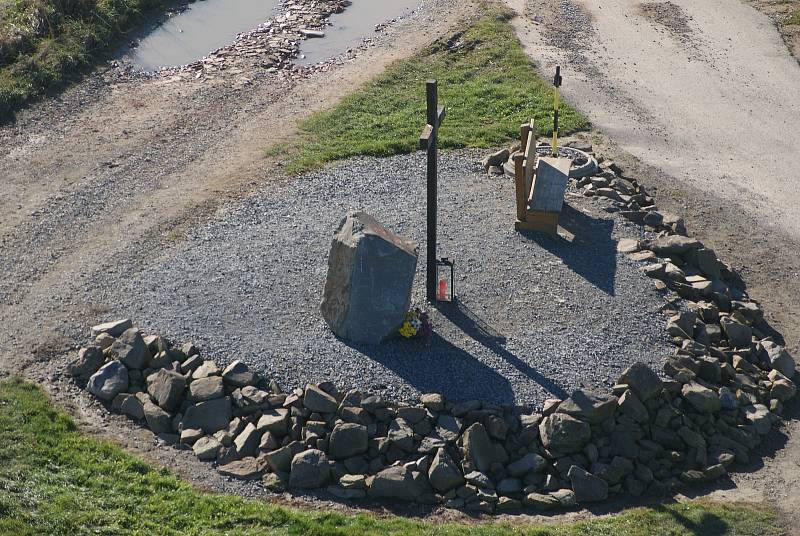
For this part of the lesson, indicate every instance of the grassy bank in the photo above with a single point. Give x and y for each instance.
(485, 79)
(54, 480)
(44, 43)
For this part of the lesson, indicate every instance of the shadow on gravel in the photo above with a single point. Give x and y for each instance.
(593, 252)
(441, 367)
(477, 329)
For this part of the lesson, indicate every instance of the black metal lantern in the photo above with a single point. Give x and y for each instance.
(445, 277)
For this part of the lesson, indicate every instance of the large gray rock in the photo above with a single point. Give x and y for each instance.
(315, 399)
(209, 416)
(310, 469)
(346, 440)
(109, 381)
(564, 434)
(158, 420)
(587, 487)
(479, 449)
(274, 421)
(702, 398)
(673, 245)
(370, 274)
(396, 482)
(131, 350)
(738, 334)
(444, 474)
(89, 360)
(115, 328)
(206, 389)
(166, 388)
(778, 358)
(642, 381)
(588, 406)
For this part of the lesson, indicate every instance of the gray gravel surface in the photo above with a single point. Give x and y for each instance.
(538, 316)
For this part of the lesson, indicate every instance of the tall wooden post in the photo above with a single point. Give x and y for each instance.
(428, 140)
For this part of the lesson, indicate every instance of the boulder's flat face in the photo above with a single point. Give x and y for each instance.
(370, 274)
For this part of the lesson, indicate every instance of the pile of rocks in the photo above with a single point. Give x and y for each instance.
(648, 436)
(720, 393)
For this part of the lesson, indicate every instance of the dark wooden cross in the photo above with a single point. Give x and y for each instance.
(428, 140)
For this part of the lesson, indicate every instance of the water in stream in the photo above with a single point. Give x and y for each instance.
(207, 25)
(203, 27)
(350, 27)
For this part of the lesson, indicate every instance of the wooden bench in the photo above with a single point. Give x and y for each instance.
(540, 183)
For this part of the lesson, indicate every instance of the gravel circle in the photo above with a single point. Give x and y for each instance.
(538, 316)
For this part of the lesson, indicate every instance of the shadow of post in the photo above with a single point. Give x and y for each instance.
(593, 252)
(477, 329)
(439, 366)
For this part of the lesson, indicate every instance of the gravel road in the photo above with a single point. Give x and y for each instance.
(678, 86)
(248, 286)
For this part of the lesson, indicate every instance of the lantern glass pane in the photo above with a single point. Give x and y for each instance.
(444, 282)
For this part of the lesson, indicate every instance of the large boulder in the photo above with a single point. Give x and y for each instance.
(115, 328)
(166, 388)
(396, 482)
(209, 416)
(444, 474)
(131, 350)
(479, 449)
(564, 434)
(347, 439)
(703, 399)
(778, 358)
(109, 381)
(587, 487)
(588, 406)
(642, 381)
(370, 274)
(310, 469)
(89, 360)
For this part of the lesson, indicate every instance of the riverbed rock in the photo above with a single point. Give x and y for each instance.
(370, 274)
(206, 448)
(109, 381)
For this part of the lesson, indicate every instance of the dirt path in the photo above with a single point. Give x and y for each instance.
(682, 95)
(677, 85)
(95, 180)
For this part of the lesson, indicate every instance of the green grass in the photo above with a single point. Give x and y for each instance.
(486, 81)
(46, 43)
(54, 481)
(794, 18)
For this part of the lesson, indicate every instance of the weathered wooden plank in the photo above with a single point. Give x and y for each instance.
(519, 186)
